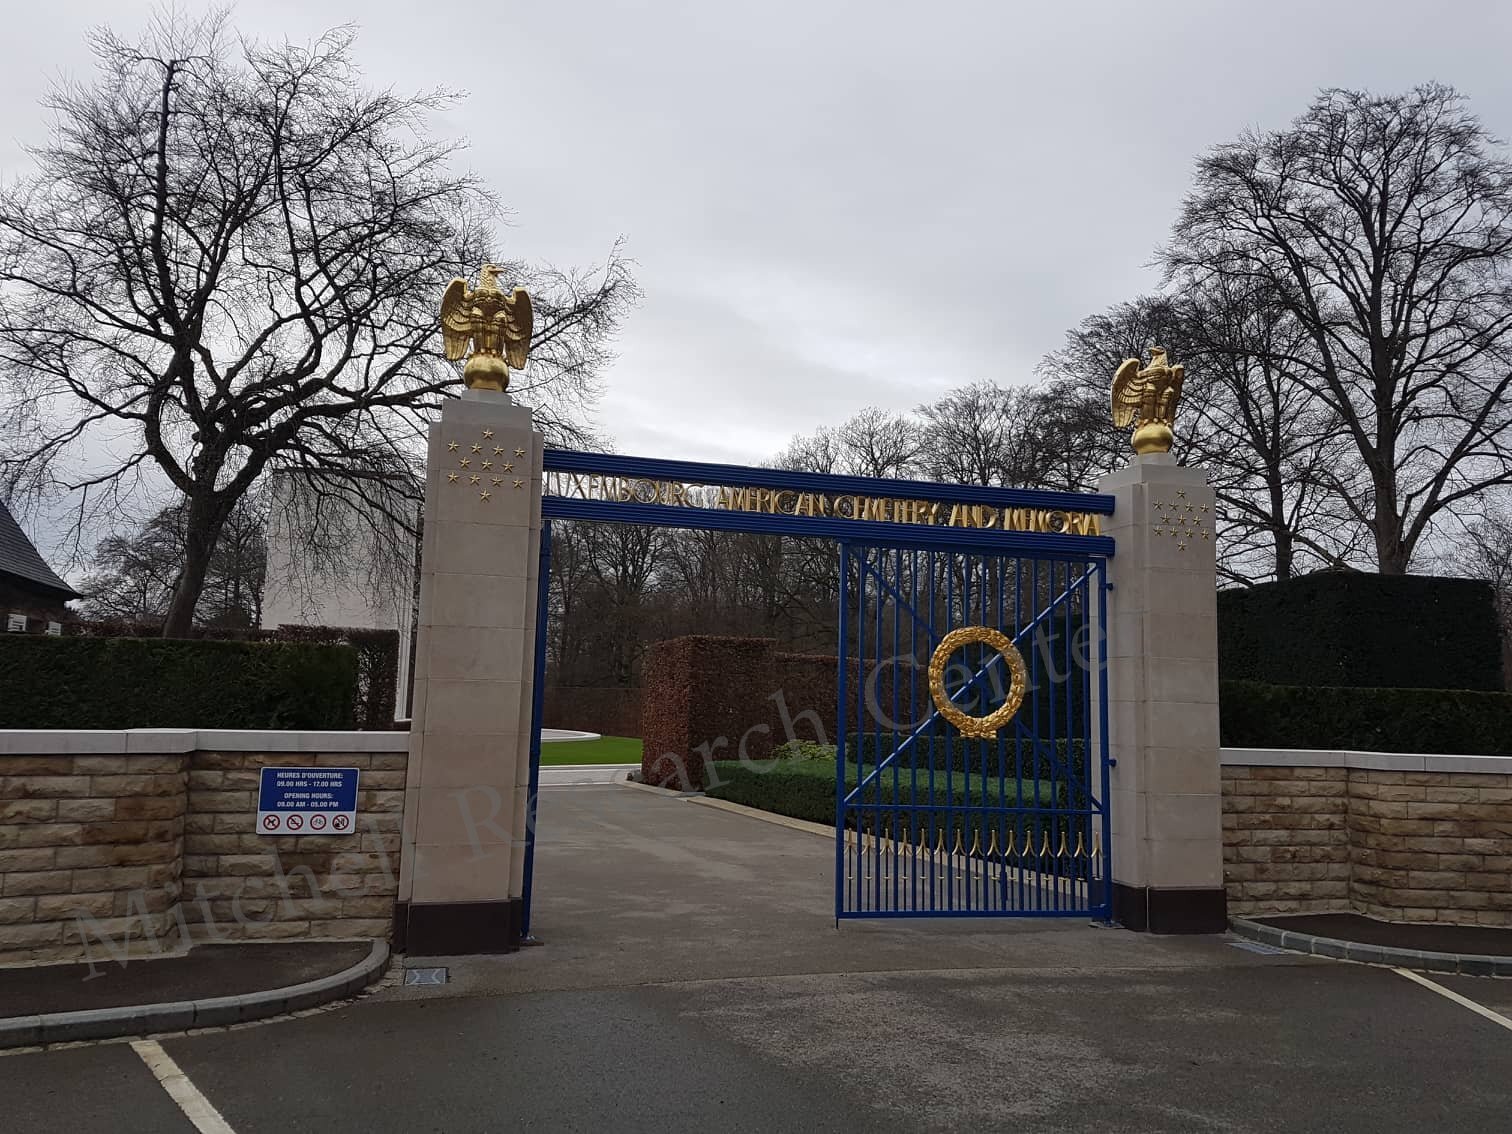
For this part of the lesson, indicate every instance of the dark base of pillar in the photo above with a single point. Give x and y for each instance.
(1147, 909)
(445, 929)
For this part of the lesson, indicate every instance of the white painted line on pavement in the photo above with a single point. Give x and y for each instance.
(1462, 1001)
(196, 1107)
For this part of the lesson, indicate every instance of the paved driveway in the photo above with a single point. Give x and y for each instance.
(693, 979)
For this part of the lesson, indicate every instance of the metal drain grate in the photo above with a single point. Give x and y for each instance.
(424, 976)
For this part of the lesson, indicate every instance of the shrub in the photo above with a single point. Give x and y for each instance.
(1054, 760)
(1449, 721)
(803, 750)
(112, 683)
(806, 790)
(1349, 629)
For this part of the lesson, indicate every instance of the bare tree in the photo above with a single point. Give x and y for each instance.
(134, 575)
(1273, 451)
(228, 261)
(1383, 225)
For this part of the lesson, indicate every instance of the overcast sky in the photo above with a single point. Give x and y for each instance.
(833, 204)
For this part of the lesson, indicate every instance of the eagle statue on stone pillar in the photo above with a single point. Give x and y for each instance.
(498, 325)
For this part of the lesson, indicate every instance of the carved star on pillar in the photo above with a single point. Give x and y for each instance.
(452, 447)
(488, 435)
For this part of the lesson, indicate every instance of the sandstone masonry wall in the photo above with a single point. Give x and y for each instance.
(88, 843)
(113, 853)
(1399, 844)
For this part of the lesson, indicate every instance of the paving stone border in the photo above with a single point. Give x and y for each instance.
(219, 1011)
(1467, 964)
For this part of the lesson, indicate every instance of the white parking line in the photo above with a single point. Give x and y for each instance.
(196, 1107)
(1462, 1001)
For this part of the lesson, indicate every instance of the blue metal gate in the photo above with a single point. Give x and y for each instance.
(972, 771)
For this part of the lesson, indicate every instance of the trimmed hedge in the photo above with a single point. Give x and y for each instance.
(960, 755)
(116, 683)
(375, 696)
(1350, 629)
(806, 790)
(1455, 722)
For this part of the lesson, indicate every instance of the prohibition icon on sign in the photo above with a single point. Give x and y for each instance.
(317, 822)
(270, 822)
(295, 822)
(340, 822)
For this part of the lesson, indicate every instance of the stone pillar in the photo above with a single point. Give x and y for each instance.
(1163, 700)
(462, 868)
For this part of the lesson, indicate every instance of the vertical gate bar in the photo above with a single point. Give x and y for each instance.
(879, 783)
(1102, 729)
(935, 731)
(892, 646)
(537, 701)
(1078, 780)
(1048, 628)
(859, 807)
(913, 716)
(933, 560)
(1037, 839)
(1018, 746)
(983, 818)
(968, 746)
(1000, 829)
(1084, 822)
(1072, 779)
(842, 702)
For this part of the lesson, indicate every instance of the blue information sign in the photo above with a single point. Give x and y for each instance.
(307, 801)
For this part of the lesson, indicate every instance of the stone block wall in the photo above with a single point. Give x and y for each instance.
(88, 844)
(1401, 838)
(1286, 840)
(122, 848)
(239, 885)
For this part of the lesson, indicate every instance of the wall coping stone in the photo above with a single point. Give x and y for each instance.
(159, 741)
(1372, 761)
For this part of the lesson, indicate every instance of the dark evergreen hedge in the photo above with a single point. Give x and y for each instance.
(1350, 629)
(374, 698)
(806, 790)
(961, 755)
(113, 683)
(1456, 722)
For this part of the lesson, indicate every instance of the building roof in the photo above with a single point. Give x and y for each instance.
(20, 559)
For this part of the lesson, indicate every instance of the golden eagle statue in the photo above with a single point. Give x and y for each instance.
(498, 326)
(1146, 398)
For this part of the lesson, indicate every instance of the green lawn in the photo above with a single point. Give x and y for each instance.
(605, 750)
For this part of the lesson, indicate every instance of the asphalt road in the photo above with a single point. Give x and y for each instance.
(693, 980)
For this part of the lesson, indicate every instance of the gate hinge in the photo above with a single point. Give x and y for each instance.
(1112, 761)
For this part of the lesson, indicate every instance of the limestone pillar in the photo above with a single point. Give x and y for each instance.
(462, 864)
(1163, 700)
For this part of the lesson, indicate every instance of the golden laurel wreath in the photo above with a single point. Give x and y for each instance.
(978, 728)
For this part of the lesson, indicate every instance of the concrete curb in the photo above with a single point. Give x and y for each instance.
(766, 816)
(143, 1019)
(1467, 964)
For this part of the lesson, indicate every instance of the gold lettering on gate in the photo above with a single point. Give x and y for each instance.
(790, 502)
